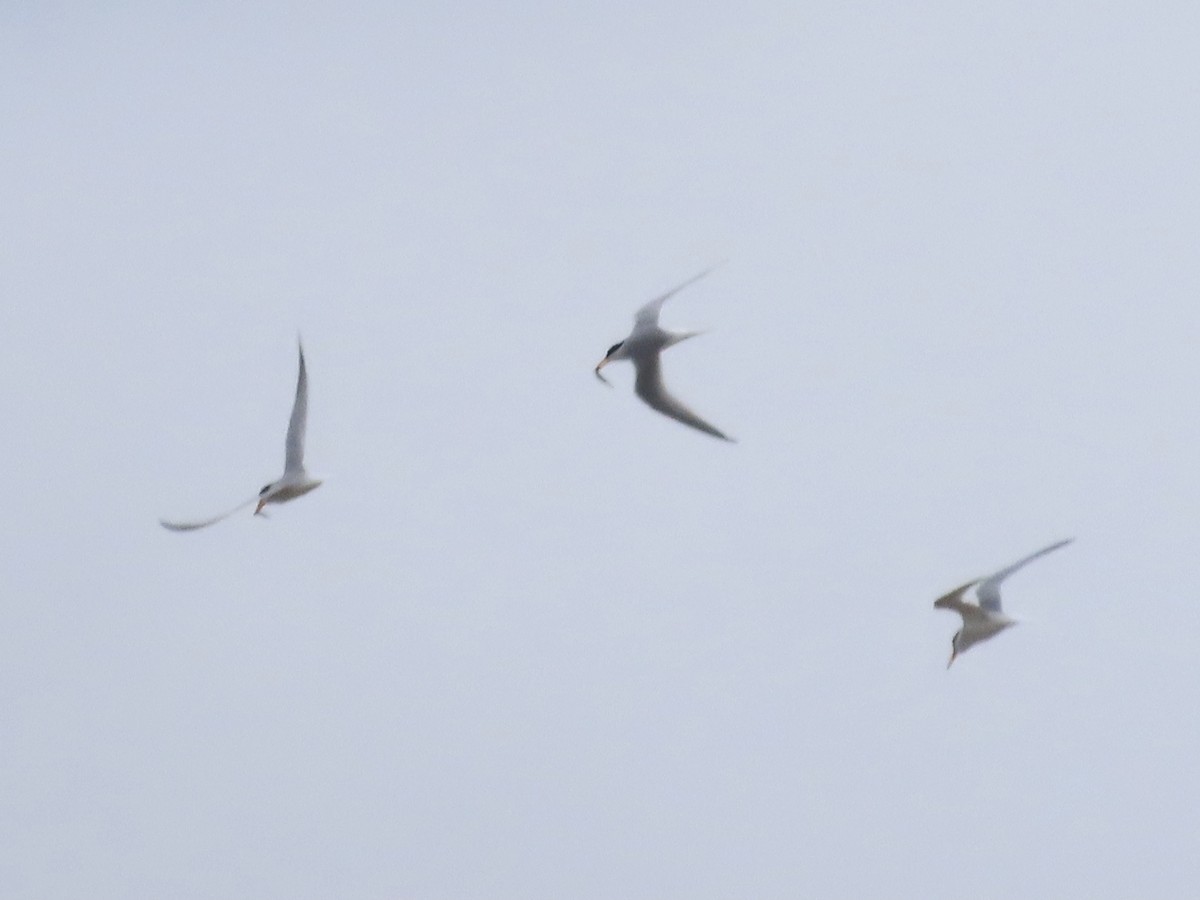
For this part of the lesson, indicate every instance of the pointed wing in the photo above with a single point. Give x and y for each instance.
(648, 314)
(989, 588)
(192, 526)
(649, 386)
(954, 601)
(294, 460)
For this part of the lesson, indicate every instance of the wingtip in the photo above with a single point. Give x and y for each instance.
(953, 598)
(710, 269)
(1065, 542)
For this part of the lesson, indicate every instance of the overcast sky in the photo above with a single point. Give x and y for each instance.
(531, 639)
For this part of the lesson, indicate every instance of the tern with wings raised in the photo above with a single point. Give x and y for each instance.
(644, 348)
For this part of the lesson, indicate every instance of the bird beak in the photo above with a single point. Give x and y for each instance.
(258, 509)
(953, 657)
(600, 365)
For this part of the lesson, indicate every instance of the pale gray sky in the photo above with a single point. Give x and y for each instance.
(530, 639)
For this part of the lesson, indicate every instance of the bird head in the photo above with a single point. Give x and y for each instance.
(954, 648)
(614, 353)
(263, 496)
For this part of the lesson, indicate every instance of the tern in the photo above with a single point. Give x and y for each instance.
(295, 481)
(643, 348)
(984, 619)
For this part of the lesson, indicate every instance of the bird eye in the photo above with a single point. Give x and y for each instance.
(613, 349)
(266, 487)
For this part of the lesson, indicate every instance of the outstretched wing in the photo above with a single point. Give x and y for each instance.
(192, 526)
(954, 601)
(989, 588)
(648, 314)
(294, 459)
(649, 386)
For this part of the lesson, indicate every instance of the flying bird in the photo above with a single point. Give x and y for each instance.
(984, 619)
(295, 481)
(644, 348)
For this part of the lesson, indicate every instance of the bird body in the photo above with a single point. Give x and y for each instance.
(984, 619)
(289, 487)
(978, 624)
